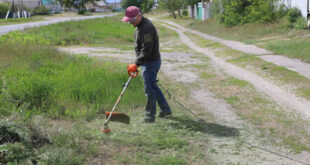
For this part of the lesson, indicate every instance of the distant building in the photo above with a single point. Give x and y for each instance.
(31, 4)
(98, 6)
(115, 6)
(104, 6)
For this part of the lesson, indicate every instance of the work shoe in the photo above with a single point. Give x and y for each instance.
(148, 120)
(165, 114)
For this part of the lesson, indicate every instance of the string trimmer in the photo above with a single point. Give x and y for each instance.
(117, 116)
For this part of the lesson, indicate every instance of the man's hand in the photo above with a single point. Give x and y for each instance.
(131, 69)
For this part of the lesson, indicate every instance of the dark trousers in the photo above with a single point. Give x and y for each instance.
(152, 91)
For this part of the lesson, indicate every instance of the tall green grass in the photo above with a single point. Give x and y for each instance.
(109, 32)
(51, 82)
(292, 48)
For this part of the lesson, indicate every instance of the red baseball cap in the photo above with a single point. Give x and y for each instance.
(130, 13)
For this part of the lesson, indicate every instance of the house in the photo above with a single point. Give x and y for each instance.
(29, 4)
(116, 6)
(99, 7)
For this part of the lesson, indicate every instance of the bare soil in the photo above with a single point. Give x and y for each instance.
(246, 145)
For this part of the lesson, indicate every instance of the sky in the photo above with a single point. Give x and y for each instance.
(112, 1)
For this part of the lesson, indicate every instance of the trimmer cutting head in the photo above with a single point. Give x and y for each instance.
(118, 117)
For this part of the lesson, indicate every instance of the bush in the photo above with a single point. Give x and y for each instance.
(185, 13)
(4, 7)
(40, 10)
(293, 14)
(233, 12)
(82, 11)
(301, 23)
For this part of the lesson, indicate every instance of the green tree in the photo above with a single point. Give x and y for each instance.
(192, 2)
(172, 6)
(233, 12)
(4, 7)
(78, 4)
(144, 5)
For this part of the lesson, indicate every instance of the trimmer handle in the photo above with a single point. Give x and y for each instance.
(133, 74)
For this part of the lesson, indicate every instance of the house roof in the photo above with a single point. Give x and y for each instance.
(101, 3)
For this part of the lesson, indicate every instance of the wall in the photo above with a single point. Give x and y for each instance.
(301, 4)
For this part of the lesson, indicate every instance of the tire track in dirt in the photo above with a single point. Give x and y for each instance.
(223, 149)
(295, 65)
(238, 149)
(246, 148)
(282, 97)
(250, 49)
(256, 150)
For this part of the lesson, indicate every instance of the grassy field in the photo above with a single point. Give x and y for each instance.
(53, 104)
(276, 37)
(20, 20)
(98, 32)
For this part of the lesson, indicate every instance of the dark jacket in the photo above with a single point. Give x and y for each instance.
(147, 45)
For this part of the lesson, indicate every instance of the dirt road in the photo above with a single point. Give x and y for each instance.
(281, 96)
(248, 146)
(292, 64)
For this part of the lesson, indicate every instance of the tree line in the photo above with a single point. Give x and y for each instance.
(229, 12)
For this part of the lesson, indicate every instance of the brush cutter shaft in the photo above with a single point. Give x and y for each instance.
(119, 98)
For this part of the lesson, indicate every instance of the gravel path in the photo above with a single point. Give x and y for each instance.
(292, 64)
(282, 97)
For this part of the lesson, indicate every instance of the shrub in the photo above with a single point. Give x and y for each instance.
(82, 11)
(40, 10)
(184, 12)
(293, 14)
(301, 23)
(4, 7)
(233, 12)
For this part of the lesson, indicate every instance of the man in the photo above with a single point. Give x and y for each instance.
(148, 56)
